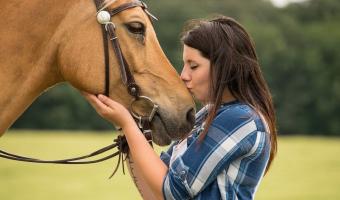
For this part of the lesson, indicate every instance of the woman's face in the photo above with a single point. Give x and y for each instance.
(196, 73)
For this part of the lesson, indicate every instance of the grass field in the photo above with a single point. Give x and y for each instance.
(305, 168)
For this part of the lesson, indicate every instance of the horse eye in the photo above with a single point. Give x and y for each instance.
(136, 28)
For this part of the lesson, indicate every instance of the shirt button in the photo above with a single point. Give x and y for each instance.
(183, 175)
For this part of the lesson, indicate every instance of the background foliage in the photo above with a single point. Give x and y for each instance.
(298, 47)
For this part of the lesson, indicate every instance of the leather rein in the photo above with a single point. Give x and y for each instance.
(143, 121)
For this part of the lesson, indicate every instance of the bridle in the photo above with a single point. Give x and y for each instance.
(143, 121)
(109, 34)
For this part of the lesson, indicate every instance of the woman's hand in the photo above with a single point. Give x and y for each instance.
(152, 169)
(110, 110)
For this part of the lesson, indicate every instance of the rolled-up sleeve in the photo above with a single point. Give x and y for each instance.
(166, 155)
(175, 185)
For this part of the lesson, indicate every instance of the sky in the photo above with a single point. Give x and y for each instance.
(282, 3)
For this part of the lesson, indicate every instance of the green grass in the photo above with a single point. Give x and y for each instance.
(305, 168)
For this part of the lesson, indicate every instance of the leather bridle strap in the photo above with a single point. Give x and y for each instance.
(76, 160)
(125, 7)
(106, 54)
(126, 75)
(108, 30)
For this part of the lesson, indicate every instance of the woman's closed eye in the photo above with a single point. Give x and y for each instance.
(193, 65)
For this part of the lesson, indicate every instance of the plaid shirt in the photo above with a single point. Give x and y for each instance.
(228, 164)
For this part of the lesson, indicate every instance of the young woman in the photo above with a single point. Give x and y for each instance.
(234, 139)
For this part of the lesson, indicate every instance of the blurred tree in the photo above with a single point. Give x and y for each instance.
(61, 108)
(305, 76)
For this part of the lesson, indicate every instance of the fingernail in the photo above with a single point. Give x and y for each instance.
(101, 97)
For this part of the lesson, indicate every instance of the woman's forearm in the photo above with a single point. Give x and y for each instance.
(146, 160)
(139, 180)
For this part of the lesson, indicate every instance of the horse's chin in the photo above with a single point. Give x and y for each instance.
(160, 135)
(167, 129)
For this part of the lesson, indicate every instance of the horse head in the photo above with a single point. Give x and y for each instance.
(81, 62)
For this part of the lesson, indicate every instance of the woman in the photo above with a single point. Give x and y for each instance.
(234, 139)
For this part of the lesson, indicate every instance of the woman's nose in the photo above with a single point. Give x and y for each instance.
(185, 75)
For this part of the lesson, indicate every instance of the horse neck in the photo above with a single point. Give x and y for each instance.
(28, 53)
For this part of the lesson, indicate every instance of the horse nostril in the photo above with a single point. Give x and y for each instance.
(191, 116)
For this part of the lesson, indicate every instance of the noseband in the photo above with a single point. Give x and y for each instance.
(143, 121)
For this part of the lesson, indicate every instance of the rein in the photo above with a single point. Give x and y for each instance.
(143, 121)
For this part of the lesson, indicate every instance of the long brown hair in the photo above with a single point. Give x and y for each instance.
(235, 66)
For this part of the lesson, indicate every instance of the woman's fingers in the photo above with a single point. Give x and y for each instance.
(107, 101)
(109, 109)
(96, 103)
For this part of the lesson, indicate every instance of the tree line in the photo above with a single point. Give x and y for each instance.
(298, 47)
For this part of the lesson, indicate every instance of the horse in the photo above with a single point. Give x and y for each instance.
(43, 43)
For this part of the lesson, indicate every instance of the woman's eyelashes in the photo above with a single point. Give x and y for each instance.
(193, 65)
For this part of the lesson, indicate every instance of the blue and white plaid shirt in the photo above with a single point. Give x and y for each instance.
(228, 164)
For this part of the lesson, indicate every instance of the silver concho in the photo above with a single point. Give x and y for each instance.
(103, 17)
